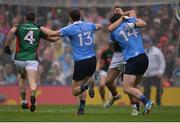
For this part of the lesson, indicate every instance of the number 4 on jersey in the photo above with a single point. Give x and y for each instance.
(29, 37)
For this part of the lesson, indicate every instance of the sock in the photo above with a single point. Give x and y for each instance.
(84, 87)
(143, 99)
(82, 105)
(134, 106)
(115, 94)
(23, 101)
(23, 95)
(138, 105)
(33, 92)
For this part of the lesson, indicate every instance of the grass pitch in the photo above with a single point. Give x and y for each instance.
(93, 113)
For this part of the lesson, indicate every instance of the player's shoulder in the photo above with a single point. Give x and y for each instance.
(156, 49)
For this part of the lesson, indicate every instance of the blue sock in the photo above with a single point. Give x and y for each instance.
(82, 104)
(84, 87)
(143, 99)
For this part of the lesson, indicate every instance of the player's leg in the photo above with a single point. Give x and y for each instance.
(78, 87)
(102, 79)
(82, 103)
(22, 87)
(32, 72)
(20, 67)
(112, 74)
(135, 103)
(82, 76)
(134, 68)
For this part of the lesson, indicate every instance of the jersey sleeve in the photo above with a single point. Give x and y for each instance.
(132, 20)
(93, 26)
(64, 31)
(43, 35)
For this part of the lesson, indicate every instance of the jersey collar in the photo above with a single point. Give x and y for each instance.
(76, 22)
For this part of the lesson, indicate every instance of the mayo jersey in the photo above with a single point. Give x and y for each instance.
(130, 40)
(28, 36)
(81, 36)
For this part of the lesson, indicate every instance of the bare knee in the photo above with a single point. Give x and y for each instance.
(74, 93)
(101, 87)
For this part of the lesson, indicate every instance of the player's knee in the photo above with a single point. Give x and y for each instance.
(101, 87)
(74, 93)
(107, 82)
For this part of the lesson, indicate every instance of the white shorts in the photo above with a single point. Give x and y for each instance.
(102, 73)
(26, 65)
(117, 61)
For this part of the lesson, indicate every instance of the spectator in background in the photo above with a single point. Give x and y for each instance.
(10, 76)
(2, 81)
(4, 29)
(67, 64)
(155, 69)
(51, 78)
(170, 63)
(176, 73)
(46, 62)
(60, 76)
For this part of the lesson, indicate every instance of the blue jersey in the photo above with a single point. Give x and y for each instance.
(81, 36)
(130, 40)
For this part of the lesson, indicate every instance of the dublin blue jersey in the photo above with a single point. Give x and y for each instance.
(130, 40)
(81, 36)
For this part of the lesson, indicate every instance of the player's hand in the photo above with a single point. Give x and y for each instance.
(130, 26)
(125, 17)
(7, 50)
(96, 75)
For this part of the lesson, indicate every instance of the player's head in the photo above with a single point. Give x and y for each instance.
(115, 17)
(117, 9)
(30, 16)
(75, 14)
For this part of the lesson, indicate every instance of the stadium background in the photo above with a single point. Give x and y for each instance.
(56, 66)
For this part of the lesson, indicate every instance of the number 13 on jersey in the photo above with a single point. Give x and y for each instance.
(87, 40)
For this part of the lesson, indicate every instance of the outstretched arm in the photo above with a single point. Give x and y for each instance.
(10, 36)
(49, 32)
(9, 39)
(98, 26)
(53, 39)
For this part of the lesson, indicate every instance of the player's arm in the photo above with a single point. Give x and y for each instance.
(139, 23)
(125, 15)
(114, 25)
(53, 39)
(98, 26)
(10, 36)
(49, 32)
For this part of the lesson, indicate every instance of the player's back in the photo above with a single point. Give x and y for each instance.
(130, 40)
(28, 36)
(81, 36)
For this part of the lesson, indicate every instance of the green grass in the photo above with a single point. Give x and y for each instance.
(93, 113)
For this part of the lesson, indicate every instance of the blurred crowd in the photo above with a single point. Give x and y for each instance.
(56, 64)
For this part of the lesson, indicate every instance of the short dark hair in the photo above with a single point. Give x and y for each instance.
(30, 16)
(115, 17)
(117, 7)
(75, 14)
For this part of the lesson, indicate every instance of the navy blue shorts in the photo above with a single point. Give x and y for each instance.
(137, 65)
(84, 68)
